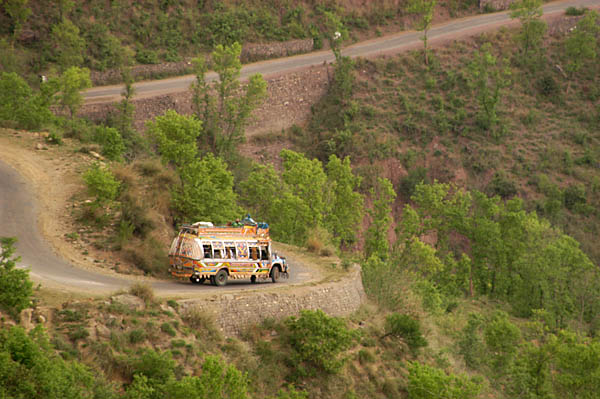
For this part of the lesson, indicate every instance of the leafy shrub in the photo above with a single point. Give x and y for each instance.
(502, 338)
(143, 291)
(502, 186)
(574, 195)
(168, 329)
(425, 382)
(16, 291)
(144, 56)
(547, 86)
(79, 332)
(158, 367)
(111, 141)
(381, 280)
(173, 303)
(135, 214)
(201, 320)
(291, 393)
(409, 182)
(70, 315)
(431, 297)
(124, 233)
(405, 327)
(136, 336)
(317, 341)
(101, 183)
(365, 356)
(575, 11)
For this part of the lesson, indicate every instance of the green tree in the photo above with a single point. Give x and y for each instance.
(154, 378)
(405, 327)
(20, 104)
(123, 120)
(176, 137)
(226, 116)
(581, 45)
(30, 368)
(206, 191)
(70, 83)
(576, 367)
(317, 341)
(111, 142)
(15, 286)
(307, 180)
(530, 373)
(488, 78)
(423, 9)
(470, 343)
(376, 238)
(532, 27)
(101, 183)
(68, 46)
(260, 190)
(18, 12)
(502, 339)
(335, 32)
(425, 382)
(346, 203)
(218, 380)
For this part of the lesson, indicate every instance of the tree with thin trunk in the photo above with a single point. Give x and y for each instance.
(423, 9)
(532, 27)
(581, 44)
(224, 107)
(70, 83)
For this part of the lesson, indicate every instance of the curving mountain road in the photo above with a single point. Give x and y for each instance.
(18, 218)
(389, 44)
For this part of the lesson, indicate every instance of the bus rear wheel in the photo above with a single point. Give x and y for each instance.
(197, 280)
(253, 279)
(221, 278)
(275, 274)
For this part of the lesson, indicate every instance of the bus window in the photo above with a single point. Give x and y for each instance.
(207, 251)
(264, 253)
(254, 253)
(218, 254)
(230, 251)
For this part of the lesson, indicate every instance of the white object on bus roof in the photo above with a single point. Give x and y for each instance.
(203, 224)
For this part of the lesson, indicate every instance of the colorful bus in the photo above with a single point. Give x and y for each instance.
(203, 252)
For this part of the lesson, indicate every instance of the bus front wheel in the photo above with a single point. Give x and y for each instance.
(275, 274)
(221, 278)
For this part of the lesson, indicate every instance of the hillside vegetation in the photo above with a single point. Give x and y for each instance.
(464, 182)
(39, 36)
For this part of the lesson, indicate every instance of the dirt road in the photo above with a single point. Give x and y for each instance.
(20, 217)
(385, 45)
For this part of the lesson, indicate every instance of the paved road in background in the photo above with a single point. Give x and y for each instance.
(384, 45)
(18, 212)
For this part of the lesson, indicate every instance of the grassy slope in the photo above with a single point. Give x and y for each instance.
(413, 122)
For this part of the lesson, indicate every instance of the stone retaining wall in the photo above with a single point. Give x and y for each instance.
(494, 5)
(233, 312)
(291, 95)
(262, 51)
